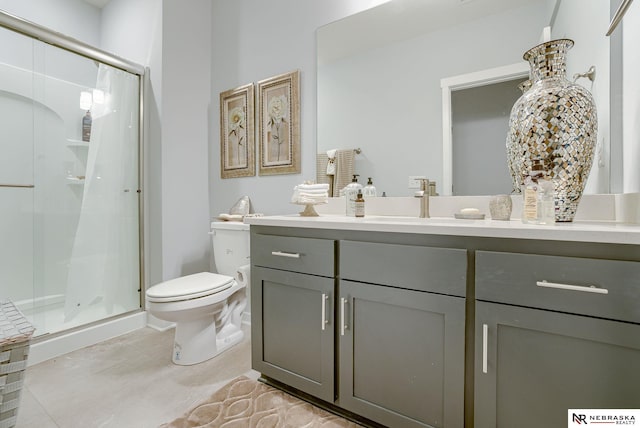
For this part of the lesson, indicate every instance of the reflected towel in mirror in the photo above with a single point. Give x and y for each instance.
(345, 167)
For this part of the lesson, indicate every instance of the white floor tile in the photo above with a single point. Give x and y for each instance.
(126, 382)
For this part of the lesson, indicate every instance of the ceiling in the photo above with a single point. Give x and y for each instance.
(400, 20)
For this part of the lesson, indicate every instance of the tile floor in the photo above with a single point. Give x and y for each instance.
(126, 382)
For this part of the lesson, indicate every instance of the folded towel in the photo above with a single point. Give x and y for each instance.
(230, 217)
(310, 194)
(314, 194)
(321, 186)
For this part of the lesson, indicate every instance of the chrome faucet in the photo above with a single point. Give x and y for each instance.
(423, 194)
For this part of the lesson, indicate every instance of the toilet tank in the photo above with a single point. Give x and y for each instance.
(230, 242)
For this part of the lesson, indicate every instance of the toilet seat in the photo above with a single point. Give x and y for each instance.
(189, 287)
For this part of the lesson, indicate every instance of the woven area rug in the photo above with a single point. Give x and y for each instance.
(246, 403)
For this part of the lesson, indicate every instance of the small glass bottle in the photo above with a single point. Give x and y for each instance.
(370, 190)
(546, 202)
(359, 205)
(538, 190)
(86, 126)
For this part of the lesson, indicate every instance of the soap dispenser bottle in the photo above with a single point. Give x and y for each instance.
(370, 190)
(351, 194)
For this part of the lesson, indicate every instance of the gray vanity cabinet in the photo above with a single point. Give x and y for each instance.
(292, 308)
(553, 334)
(401, 346)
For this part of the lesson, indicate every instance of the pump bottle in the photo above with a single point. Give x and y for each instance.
(370, 190)
(351, 194)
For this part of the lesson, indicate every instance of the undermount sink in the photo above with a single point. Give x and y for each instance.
(417, 220)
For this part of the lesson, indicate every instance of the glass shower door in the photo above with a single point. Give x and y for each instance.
(70, 249)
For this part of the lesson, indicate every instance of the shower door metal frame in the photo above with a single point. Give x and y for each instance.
(50, 37)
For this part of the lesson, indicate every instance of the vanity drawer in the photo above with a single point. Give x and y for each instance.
(595, 287)
(440, 270)
(304, 255)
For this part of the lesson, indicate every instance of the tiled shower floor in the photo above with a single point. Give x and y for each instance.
(126, 382)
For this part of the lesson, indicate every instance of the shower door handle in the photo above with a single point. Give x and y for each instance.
(26, 186)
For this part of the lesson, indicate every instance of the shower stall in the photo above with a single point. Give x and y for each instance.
(70, 187)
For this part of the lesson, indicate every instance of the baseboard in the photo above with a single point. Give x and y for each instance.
(158, 324)
(48, 348)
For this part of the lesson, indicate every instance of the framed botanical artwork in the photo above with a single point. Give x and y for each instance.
(237, 146)
(279, 124)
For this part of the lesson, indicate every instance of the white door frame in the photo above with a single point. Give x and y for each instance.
(466, 81)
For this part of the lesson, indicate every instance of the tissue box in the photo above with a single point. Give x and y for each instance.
(15, 338)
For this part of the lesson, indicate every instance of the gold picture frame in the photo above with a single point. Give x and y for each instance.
(278, 102)
(237, 144)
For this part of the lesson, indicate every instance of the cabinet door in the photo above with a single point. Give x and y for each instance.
(401, 355)
(533, 365)
(292, 329)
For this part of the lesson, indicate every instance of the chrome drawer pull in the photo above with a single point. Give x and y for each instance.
(343, 321)
(485, 339)
(324, 310)
(590, 289)
(283, 254)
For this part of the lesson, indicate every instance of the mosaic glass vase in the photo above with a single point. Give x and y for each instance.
(554, 121)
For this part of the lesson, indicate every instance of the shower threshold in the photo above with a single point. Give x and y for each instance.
(52, 345)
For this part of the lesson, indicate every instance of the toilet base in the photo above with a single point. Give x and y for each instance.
(197, 341)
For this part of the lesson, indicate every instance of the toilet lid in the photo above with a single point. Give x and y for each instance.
(189, 287)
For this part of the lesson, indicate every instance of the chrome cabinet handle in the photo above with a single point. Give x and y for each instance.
(284, 254)
(324, 310)
(587, 289)
(343, 320)
(485, 345)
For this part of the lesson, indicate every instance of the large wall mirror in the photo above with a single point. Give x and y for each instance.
(380, 73)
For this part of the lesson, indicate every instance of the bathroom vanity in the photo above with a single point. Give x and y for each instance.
(410, 322)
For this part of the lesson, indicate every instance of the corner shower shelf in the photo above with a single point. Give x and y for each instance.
(76, 181)
(77, 143)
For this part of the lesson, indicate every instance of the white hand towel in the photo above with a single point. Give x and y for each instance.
(331, 164)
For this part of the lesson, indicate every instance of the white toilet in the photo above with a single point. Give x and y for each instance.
(207, 307)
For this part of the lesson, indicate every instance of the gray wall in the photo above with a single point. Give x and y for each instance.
(74, 18)
(186, 83)
(254, 40)
(178, 111)
(388, 100)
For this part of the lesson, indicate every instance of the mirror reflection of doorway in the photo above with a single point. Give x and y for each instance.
(480, 122)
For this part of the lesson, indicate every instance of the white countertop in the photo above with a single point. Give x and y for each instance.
(578, 231)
